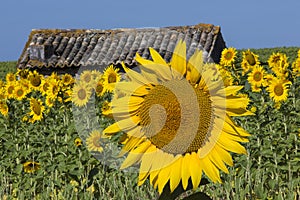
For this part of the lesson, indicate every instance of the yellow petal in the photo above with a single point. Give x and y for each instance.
(195, 66)
(125, 124)
(175, 175)
(178, 62)
(231, 145)
(210, 170)
(157, 57)
(135, 76)
(163, 177)
(195, 169)
(185, 172)
(133, 88)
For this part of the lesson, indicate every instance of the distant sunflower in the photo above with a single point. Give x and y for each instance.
(99, 89)
(78, 142)
(44, 87)
(9, 89)
(3, 107)
(278, 90)
(110, 77)
(228, 56)
(49, 102)
(274, 60)
(249, 61)
(256, 76)
(93, 141)
(20, 92)
(106, 109)
(296, 67)
(23, 73)
(177, 120)
(86, 77)
(10, 77)
(37, 109)
(96, 74)
(67, 79)
(81, 94)
(35, 79)
(31, 167)
(53, 89)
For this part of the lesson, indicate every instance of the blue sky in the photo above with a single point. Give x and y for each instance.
(244, 24)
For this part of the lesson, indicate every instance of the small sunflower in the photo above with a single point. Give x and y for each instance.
(106, 109)
(3, 107)
(99, 89)
(49, 102)
(20, 92)
(97, 75)
(110, 78)
(35, 79)
(45, 85)
(37, 109)
(31, 167)
(10, 77)
(278, 90)
(93, 142)
(78, 142)
(87, 78)
(256, 76)
(296, 67)
(67, 79)
(81, 94)
(23, 73)
(228, 56)
(249, 61)
(178, 121)
(9, 89)
(53, 89)
(274, 60)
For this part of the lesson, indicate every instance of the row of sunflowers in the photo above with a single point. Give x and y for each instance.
(34, 99)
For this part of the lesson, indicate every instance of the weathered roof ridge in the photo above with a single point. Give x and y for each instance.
(61, 48)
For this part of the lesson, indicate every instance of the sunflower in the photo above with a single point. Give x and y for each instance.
(31, 167)
(23, 73)
(37, 109)
(67, 80)
(110, 78)
(96, 74)
(10, 77)
(20, 92)
(274, 60)
(86, 77)
(9, 89)
(3, 107)
(35, 80)
(53, 89)
(278, 90)
(99, 89)
(78, 142)
(256, 76)
(45, 85)
(296, 67)
(93, 141)
(81, 94)
(249, 61)
(178, 121)
(49, 102)
(106, 109)
(228, 56)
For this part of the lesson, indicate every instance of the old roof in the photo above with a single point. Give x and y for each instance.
(57, 48)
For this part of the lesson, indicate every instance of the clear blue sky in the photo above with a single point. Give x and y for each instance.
(244, 24)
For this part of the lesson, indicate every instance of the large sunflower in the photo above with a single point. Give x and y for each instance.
(228, 56)
(177, 117)
(278, 89)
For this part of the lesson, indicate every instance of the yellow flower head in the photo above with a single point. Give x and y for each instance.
(31, 167)
(78, 142)
(250, 58)
(93, 141)
(228, 56)
(10, 77)
(37, 109)
(160, 115)
(256, 76)
(67, 80)
(3, 108)
(110, 78)
(35, 80)
(278, 90)
(81, 94)
(20, 92)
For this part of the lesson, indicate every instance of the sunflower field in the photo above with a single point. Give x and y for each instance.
(64, 137)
